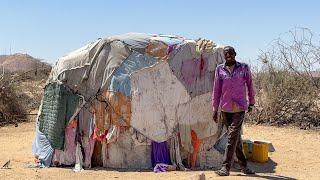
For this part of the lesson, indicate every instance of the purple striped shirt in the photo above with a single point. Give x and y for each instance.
(231, 90)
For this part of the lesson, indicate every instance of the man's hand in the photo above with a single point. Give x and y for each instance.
(215, 116)
(251, 106)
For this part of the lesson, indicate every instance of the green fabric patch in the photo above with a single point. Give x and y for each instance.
(58, 106)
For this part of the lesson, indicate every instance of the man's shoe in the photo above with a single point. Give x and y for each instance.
(247, 171)
(223, 172)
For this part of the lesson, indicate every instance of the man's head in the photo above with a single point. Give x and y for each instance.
(229, 55)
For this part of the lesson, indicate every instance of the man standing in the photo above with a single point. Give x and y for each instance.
(232, 87)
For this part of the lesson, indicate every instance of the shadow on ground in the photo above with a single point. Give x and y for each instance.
(272, 177)
(268, 167)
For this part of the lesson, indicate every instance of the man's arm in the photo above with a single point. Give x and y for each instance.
(249, 83)
(216, 92)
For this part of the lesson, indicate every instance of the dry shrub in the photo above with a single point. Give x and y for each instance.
(20, 94)
(287, 83)
(11, 111)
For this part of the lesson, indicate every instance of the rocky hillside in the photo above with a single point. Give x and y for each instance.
(21, 63)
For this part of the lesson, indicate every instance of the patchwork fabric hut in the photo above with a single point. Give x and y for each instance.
(131, 101)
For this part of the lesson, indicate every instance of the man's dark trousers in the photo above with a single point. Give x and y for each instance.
(233, 122)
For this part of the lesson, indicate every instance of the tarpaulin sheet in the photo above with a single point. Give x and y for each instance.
(77, 59)
(118, 110)
(95, 75)
(195, 71)
(168, 39)
(100, 118)
(120, 81)
(156, 95)
(157, 49)
(125, 153)
(161, 46)
(135, 41)
(196, 115)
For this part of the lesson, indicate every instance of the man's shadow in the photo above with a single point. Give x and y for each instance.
(272, 177)
(268, 167)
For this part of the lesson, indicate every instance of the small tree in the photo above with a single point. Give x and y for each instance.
(11, 111)
(287, 89)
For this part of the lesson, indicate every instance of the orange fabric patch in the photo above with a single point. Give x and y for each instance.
(100, 137)
(196, 143)
(157, 49)
(73, 124)
(99, 117)
(119, 108)
(113, 108)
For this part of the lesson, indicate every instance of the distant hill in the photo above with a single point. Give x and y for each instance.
(22, 63)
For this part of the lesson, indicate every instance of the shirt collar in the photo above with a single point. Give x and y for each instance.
(235, 66)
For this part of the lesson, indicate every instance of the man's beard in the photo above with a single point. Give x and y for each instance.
(230, 63)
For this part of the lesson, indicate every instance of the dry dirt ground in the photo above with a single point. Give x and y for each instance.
(296, 157)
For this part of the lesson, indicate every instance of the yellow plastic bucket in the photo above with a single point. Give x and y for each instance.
(246, 150)
(260, 151)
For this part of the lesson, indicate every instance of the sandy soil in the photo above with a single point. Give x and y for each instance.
(296, 157)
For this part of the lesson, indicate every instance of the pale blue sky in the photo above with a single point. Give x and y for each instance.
(50, 29)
